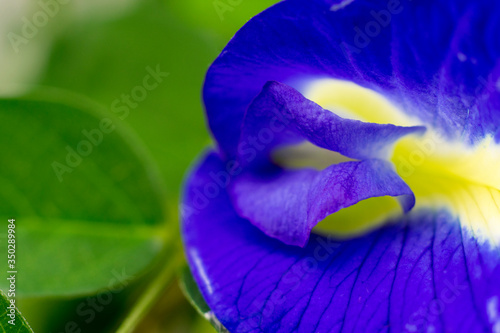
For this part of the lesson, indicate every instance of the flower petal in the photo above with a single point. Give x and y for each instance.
(281, 115)
(426, 273)
(287, 204)
(430, 58)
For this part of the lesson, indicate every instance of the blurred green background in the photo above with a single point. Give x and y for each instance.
(98, 247)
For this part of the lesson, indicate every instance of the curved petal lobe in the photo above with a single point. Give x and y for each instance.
(281, 115)
(287, 204)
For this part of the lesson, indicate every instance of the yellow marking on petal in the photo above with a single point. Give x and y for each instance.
(453, 175)
(306, 155)
(360, 218)
(461, 178)
(348, 100)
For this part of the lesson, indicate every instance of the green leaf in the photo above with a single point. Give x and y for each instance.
(220, 17)
(11, 320)
(193, 294)
(87, 200)
(106, 60)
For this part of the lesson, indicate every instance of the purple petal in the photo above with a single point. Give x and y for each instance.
(287, 204)
(423, 274)
(281, 115)
(436, 60)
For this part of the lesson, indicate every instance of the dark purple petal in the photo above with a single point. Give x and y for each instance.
(436, 60)
(281, 115)
(426, 273)
(287, 204)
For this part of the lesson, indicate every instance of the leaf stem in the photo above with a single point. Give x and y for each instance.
(153, 293)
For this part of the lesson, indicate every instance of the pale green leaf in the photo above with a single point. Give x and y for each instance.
(193, 294)
(89, 211)
(11, 320)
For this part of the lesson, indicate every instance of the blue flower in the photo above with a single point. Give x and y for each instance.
(390, 101)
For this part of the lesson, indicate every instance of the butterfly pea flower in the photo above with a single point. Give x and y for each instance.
(355, 182)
